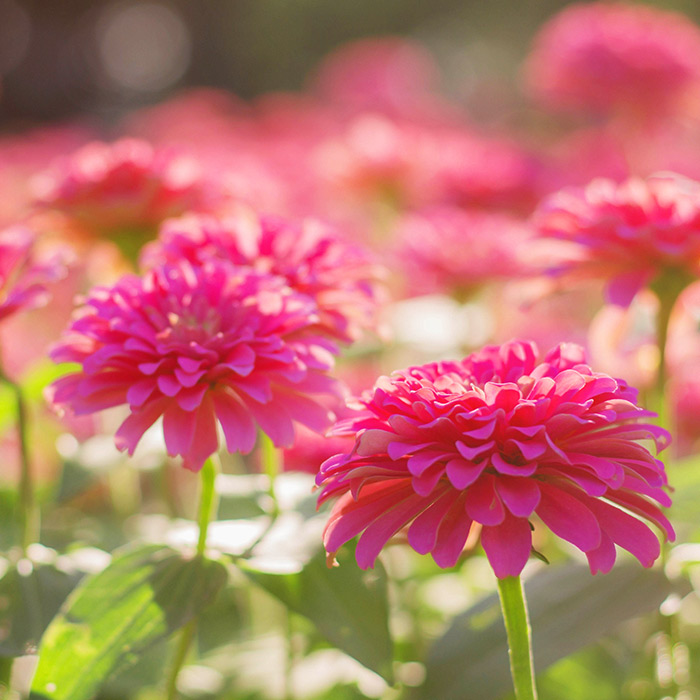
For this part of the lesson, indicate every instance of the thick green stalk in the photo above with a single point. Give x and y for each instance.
(208, 501)
(30, 520)
(510, 591)
(208, 505)
(5, 676)
(271, 461)
(662, 322)
(668, 287)
(183, 648)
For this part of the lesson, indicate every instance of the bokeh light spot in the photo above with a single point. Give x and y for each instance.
(144, 47)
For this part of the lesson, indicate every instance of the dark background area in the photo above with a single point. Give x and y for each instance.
(62, 58)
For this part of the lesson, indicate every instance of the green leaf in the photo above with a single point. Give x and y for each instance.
(141, 598)
(569, 609)
(348, 606)
(30, 597)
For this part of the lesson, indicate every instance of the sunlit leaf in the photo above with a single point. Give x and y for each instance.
(143, 596)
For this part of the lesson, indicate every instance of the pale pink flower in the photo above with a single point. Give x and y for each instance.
(495, 440)
(623, 340)
(391, 74)
(544, 311)
(494, 172)
(611, 56)
(454, 250)
(378, 159)
(628, 233)
(123, 187)
(684, 400)
(199, 345)
(24, 155)
(26, 272)
(311, 256)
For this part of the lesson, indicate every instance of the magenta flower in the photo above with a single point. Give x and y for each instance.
(25, 272)
(613, 56)
(123, 186)
(628, 233)
(311, 256)
(199, 345)
(450, 249)
(493, 441)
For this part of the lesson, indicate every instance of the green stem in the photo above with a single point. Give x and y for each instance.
(510, 591)
(662, 322)
(271, 459)
(30, 519)
(5, 676)
(208, 505)
(183, 648)
(289, 665)
(208, 502)
(668, 287)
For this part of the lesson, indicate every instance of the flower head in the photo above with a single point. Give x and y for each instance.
(446, 248)
(612, 56)
(25, 272)
(311, 256)
(197, 344)
(123, 186)
(492, 441)
(628, 233)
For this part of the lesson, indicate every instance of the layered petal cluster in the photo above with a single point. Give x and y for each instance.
(610, 57)
(123, 186)
(313, 259)
(627, 233)
(197, 345)
(491, 442)
(452, 249)
(25, 272)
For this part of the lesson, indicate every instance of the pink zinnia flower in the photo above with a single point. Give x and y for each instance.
(493, 441)
(26, 272)
(628, 233)
(451, 249)
(613, 56)
(197, 345)
(123, 186)
(311, 256)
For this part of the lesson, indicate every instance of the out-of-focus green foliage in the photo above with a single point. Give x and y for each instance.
(142, 597)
